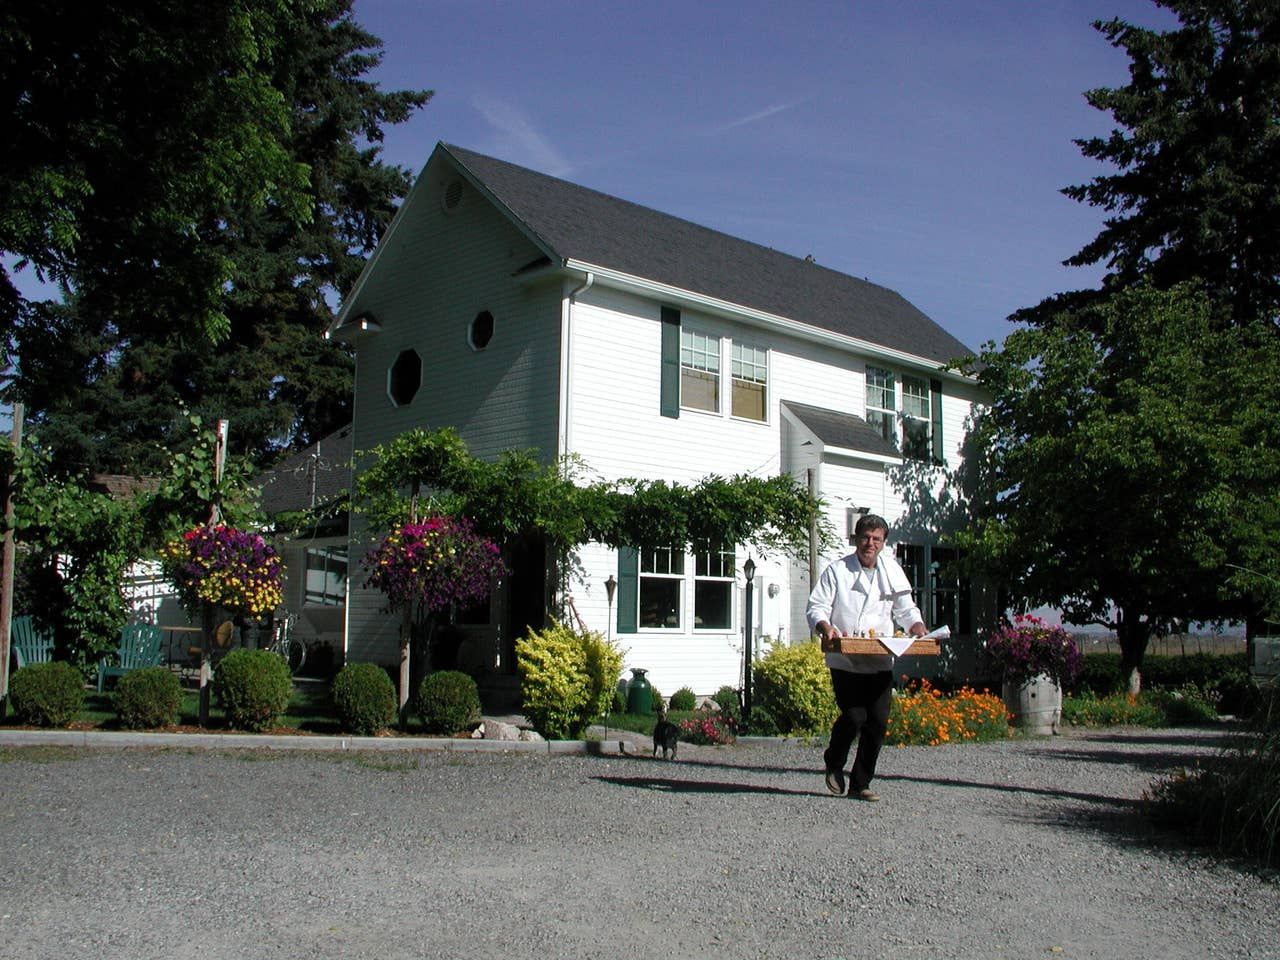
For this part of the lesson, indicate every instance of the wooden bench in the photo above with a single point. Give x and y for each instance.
(30, 644)
(139, 647)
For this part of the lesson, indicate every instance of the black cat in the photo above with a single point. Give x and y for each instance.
(666, 735)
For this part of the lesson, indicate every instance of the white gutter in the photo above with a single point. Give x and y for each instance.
(566, 365)
(725, 308)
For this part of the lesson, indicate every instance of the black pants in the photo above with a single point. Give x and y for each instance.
(864, 700)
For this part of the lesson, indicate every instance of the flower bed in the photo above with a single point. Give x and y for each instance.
(922, 716)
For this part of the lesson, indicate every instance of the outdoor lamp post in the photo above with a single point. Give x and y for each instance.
(749, 569)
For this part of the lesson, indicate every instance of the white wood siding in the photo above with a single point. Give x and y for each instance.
(436, 274)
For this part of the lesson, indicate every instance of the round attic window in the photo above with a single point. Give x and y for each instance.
(451, 197)
(481, 331)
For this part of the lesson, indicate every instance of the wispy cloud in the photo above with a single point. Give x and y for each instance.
(523, 141)
(753, 117)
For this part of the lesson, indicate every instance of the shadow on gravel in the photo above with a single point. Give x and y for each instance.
(1147, 760)
(1011, 788)
(1206, 739)
(665, 785)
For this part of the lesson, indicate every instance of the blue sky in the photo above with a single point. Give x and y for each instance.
(921, 145)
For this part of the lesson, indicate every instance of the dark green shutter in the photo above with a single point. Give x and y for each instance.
(935, 404)
(628, 588)
(670, 405)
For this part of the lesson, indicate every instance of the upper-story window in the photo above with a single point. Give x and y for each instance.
(913, 424)
(882, 408)
(750, 377)
(915, 418)
(699, 371)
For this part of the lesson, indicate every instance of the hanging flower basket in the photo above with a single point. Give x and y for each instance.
(223, 567)
(432, 564)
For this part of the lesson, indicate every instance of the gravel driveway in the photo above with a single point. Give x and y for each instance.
(1022, 849)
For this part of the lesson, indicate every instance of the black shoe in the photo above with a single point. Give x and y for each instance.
(835, 782)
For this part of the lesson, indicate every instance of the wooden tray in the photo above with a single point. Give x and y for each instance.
(857, 645)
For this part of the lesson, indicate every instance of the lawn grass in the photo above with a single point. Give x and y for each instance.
(641, 722)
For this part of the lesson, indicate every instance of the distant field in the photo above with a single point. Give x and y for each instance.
(1175, 645)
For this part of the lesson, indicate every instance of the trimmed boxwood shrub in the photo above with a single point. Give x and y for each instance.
(147, 698)
(47, 694)
(364, 698)
(683, 699)
(253, 688)
(448, 701)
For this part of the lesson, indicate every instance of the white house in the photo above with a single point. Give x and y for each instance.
(529, 312)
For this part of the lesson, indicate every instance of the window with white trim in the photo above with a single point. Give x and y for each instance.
(915, 418)
(699, 371)
(326, 576)
(661, 588)
(750, 369)
(713, 576)
(882, 409)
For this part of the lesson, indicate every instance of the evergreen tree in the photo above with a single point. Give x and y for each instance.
(1196, 151)
(106, 374)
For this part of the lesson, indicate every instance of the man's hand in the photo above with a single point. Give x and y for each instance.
(917, 630)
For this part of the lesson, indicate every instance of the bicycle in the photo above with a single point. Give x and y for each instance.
(284, 643)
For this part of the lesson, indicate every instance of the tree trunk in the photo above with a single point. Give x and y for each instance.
(1133, 633)
(406, 643)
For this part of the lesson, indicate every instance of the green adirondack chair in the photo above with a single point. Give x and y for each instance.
(139, 647)
(30, 644)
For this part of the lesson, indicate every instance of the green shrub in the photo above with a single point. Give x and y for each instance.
(1231, 802)
(253, 687)
(1188, 704)
(364, 698)
(567, 679)
(1239, 694)
(148, 698)
(726, 698)
(683, 699)
(447, 701)
(763, 723)
(1101, 672)
(1113, 710)
(47, 694)
(656, 702)
(794, 685)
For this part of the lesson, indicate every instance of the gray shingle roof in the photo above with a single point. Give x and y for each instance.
(287, 485)
(843, 430)
(577, 223)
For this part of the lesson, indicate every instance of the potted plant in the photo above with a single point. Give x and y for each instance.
(1035, 660)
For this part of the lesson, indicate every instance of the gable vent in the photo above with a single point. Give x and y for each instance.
(451, 199)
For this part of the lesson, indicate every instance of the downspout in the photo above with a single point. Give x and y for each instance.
(566, 341)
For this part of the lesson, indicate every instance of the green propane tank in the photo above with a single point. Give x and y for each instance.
(639, 693)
